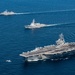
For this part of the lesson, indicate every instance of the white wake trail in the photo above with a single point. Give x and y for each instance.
(58, 24)
(52, 25)
(6, 13)
(14, 14)
(41, 12)
(55, 24)
(22, 13)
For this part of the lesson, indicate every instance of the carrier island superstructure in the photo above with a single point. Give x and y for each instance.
(60, 50)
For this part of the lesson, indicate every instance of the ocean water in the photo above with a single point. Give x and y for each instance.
(15, 39)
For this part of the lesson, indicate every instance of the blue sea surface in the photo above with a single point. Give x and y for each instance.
(15, 39)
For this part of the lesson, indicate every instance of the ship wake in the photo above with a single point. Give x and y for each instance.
(7, 14)
(59, 24)
(40, 12)
(47, 25)
(43, 12)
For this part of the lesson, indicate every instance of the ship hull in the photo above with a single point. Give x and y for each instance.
(53, 57)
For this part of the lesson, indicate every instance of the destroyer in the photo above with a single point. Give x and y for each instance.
(60, 50)
(35, 25)
(6, 13)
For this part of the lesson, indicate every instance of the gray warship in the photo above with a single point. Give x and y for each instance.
(7, 13)
(34, 25)
(60, 50)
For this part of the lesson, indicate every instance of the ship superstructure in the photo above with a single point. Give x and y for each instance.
(59, 50)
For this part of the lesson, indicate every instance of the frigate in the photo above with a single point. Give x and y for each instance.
(7, 13)
(34, 25)
(59, 50)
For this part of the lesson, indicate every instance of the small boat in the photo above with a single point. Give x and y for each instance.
(8, 61)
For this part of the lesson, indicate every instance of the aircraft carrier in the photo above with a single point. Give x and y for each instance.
(60, 50)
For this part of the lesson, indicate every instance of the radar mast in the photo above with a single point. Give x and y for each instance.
(61, 40)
